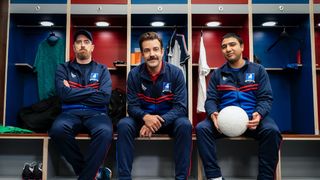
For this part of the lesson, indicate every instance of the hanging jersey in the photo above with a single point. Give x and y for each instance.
(178, 53)
(47, 58)
(203, 71)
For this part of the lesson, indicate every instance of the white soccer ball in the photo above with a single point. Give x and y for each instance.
(232, 121)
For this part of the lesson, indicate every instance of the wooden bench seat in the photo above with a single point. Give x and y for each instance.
(153, 137)
(80, 136)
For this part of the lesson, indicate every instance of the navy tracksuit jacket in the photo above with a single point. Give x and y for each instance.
(84, 106)
(167, 97)
(250, 89)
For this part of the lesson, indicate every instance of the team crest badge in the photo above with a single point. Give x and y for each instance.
(143, 87)
(249, 77)
(166, 87)
(224, 78)
(73, 75)
(94, 77)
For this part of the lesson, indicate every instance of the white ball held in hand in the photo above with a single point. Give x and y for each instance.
(232, 121)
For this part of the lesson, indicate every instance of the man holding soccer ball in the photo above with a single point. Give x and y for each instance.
(244, 84)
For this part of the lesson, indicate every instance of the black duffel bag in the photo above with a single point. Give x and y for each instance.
(40, 116)
(117, 106)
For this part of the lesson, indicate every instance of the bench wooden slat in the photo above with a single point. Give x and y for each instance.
(24, 136)
(153, 137)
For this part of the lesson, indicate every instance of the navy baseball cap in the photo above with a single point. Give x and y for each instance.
(82, 32)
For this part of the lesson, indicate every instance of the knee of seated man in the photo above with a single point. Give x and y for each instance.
(184, 124)
(105, 130)
(201, 126)
(124, 124)
(272, 132)
(57, 130)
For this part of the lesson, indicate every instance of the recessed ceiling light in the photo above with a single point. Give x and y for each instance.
(102, 24)
(318, 24)
(213, 24)
(157, 24)
(269, 23)
(46, 23)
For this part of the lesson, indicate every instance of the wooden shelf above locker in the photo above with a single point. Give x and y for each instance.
(219, 2)
(38, 8)
(316, 8)
(99, 9)
(219, 9)
(159, 8)
(280, 8)
(99, 2)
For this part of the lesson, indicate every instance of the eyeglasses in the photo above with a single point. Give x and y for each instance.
(85, 42)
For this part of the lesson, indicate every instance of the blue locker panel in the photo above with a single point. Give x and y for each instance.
(292, 88)
(281, 108)
(273, 50)
(22, 87)
(292, 107)
(280, 1)
(159, 2)
(278, 46)
(303, 111)
(40, 1)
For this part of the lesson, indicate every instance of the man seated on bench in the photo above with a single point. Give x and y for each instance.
(84, 87)
(157, 103)
(245, 84)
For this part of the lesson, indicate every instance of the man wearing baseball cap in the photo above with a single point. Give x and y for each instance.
(84, 87)
(84, 33)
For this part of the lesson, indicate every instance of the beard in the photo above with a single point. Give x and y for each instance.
(83, 55)
(233, 59)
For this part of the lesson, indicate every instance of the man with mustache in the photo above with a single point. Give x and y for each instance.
(84, 87)
(157, 103)
(245, 84)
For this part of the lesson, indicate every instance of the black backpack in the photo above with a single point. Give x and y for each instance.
(40, 116)
(117, 105)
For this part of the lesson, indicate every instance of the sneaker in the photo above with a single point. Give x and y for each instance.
(219, 178)
(104, 173)
(37, 172)
(28, 169)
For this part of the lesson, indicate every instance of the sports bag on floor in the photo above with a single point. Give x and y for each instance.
(40, 116)
(117, 105)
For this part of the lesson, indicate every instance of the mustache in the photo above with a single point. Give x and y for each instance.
(152, 58)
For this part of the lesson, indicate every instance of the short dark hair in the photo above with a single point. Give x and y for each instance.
(233, 35)
(149, 36)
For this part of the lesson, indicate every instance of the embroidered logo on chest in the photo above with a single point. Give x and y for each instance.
(94, 77)
(249, 77)
(166, 87)
(224, 78)
(73, 75)
(143, 87)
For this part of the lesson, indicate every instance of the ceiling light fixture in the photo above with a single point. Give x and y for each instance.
(46, 23)
(157, 24)
(102, 24)
(269, 23)
(213, 24)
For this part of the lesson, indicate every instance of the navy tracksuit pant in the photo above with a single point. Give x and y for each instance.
(180, 130)
(267, 133)
(68, 125)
